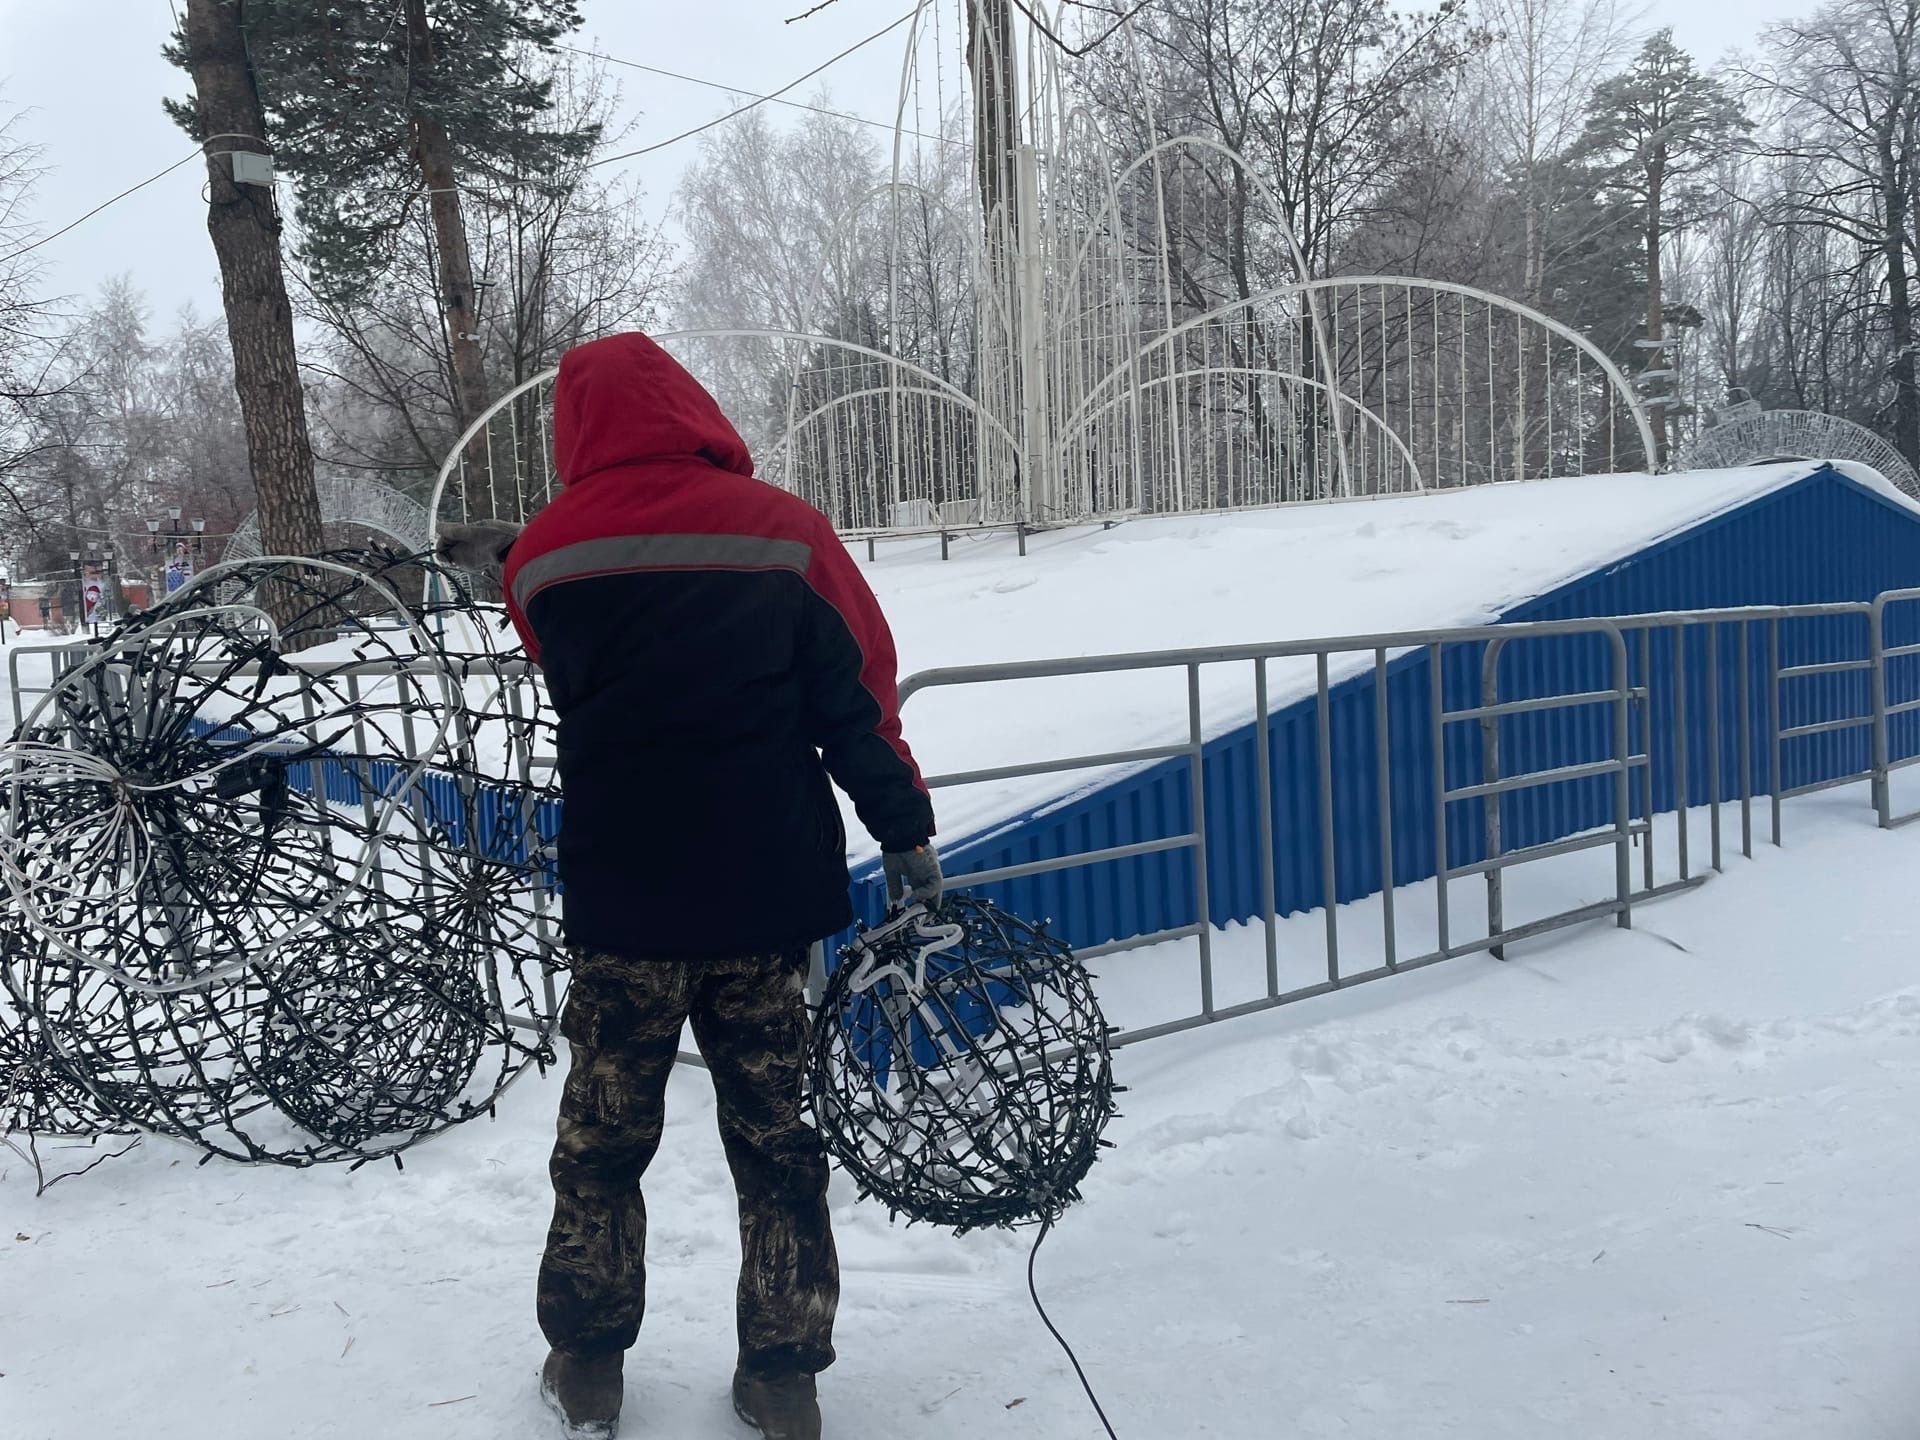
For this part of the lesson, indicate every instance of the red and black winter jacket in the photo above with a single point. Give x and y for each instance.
(713, 655)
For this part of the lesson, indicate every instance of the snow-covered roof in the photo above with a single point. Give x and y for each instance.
(1445, 558)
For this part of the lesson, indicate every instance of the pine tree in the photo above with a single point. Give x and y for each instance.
(225, 114)
(376, 111)
(1651, 132)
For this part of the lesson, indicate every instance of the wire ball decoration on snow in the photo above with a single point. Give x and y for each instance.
(37, 1094)
(152, 829)
(961, 1069)
(289, 902)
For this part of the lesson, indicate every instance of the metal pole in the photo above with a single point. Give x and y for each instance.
(1329, 864)
(1681, 739)
(1714, 777)
(1877, 672)
(1773, 722)
(1263, 796)
(1746, 739)
(1623, 782)
(1039, 473)
(1383, 764)
(1438, 720)
(368, 815)
(1202, 904)
(1490, 804)
(1644, 651)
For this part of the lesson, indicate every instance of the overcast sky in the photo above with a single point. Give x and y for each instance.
(89, 76)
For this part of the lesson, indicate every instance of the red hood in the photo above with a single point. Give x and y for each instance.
(623, 399)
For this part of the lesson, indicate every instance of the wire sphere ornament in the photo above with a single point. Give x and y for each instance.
(376, 1036)
(280, 860)
(960, 1067)
(155, 820)
(37, 1094)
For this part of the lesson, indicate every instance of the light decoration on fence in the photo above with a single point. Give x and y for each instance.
(278, 870)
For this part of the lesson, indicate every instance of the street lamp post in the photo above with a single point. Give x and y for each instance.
(176, 540)
(109, 587)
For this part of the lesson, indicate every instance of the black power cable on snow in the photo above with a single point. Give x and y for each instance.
(1046, 1228)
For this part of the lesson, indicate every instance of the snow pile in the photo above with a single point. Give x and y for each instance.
(1645, 1185)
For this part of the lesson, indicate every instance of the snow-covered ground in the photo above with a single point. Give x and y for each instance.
(1648, 1183)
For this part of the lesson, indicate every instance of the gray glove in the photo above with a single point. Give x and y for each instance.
(480, 547)
(914, 876)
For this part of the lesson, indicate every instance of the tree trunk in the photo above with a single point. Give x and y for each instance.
(1906, 398)
(1657, 359)
(246, 237)
(459, 299)
(996, 158)
(996, 120)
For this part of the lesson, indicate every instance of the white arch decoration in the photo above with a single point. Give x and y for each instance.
(1796, 435)
(519, 424)
(1371, 427)
(1454, 380)
(349, 500)
(1090, 388)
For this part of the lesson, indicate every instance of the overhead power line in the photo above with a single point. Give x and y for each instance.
(886, 125)
(1077, 51)
(756, 100)
(73, 224)
(762, 100)
(200, 152)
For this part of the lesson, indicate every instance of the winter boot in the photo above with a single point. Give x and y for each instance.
(782, 1409)
(585, 1393)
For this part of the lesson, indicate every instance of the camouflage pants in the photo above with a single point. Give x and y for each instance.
(623, 1020)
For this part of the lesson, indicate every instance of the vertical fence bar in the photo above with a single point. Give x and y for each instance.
(368, 816)
(1681, 739)
(1623, 782)
(1882, 746)
(1746, 739)
(1197, 739)
(1438, 719)
(537, 857)
(419, 803)
(1773, 722)
(1383, 762)
(1713, 746)
(1490, 813)
(1329, 864)
(1644, 706)
(1263, 763)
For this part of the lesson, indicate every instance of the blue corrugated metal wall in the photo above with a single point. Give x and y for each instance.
(494, 811)
(1821, 539)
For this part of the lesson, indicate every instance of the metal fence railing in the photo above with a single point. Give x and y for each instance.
(1449, 755)
(21, 686)
(1614, 767)
(1896, 720)
(1500, 746)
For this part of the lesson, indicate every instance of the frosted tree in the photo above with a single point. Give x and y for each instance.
(1652, 133)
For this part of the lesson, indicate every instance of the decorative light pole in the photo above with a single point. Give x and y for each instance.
(180, 564)
(109, 588)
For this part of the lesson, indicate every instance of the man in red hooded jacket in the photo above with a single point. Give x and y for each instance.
(714, 658)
